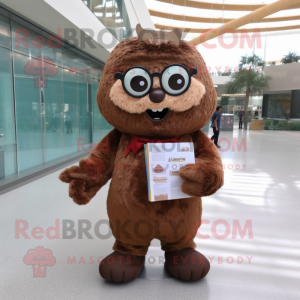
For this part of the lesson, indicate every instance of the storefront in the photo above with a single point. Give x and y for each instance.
(48, 99)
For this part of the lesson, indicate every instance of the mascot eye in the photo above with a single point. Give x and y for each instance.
(175, 80)
(137, 82)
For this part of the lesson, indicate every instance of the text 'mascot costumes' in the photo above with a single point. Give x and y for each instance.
(157, 95)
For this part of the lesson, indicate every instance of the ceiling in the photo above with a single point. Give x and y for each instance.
(196, 17)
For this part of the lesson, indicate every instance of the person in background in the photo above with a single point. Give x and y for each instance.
(68, 122)
(54, 120)
(215, 124)
(241, 115)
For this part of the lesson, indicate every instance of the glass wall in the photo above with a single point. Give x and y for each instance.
(113, 15)
(8, 164)
(48, 102)
(277, 111)
(232, 104)
(279, 105)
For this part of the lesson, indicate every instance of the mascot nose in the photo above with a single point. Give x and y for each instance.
(157, 95)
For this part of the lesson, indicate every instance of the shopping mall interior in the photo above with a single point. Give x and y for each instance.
(56, 65)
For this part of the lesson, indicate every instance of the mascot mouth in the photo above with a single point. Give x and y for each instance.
(157, 115)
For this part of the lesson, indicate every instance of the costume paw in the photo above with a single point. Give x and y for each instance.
(187, 264)
(82, 188)
(121, 267)
(193, 180)
(200, 180)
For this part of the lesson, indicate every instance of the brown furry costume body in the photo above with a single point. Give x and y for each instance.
(134, 220)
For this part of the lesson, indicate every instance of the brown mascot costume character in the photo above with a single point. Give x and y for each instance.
(156, 88)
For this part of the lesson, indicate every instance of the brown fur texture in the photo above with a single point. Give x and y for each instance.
(134, 220)
(155, 58)
(92, 173)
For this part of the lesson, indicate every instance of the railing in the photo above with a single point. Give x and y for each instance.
(113, 15)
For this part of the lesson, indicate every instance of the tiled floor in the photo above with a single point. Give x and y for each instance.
(261, 191)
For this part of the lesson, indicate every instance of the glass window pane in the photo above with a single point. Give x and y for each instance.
(113, 15)
(279, 106)
(28, 94)
(71, 107)
(84, 100)
(54, 108)
(5, 37)
(97, 133)
(7, 122)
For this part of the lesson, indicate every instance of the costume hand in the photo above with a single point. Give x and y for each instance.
(201, 179)
(85, 180)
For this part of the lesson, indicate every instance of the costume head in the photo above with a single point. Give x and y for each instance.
(156, 85)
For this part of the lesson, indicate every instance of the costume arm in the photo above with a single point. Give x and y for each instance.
(93, 172)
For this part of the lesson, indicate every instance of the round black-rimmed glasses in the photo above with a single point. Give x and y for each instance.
(174, 79)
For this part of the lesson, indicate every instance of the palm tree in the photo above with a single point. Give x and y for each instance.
(252, 61)
(250, 80)
(291, 57)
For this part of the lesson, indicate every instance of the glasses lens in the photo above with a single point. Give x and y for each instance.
(137, 82)
(175, 80)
